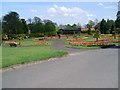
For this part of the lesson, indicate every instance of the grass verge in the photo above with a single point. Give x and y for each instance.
(20, 55)
(89, 47)
(82, 47)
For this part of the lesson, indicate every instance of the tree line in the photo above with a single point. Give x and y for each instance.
(109, 26)
(12, 24)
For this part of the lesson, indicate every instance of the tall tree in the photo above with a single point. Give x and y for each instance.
(24, 26)
(11, 23)
(117, 21)
(38, 28)
(50, 27)
(74, 26)
(37, 20)
(103, 27)
(91, 23)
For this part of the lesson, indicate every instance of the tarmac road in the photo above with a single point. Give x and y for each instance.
(87, 69)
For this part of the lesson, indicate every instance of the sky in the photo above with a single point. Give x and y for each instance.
(63, 12)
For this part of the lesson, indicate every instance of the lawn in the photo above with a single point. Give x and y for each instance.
(82, 47)
(27, 52)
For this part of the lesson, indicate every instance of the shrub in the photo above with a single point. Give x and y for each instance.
(97, 35)
(50, 33)
(4, 37)
(36, 35)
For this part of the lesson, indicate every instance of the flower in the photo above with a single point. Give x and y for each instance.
(41, 43)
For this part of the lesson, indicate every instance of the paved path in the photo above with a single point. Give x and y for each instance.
(60, 45)
(87, 69)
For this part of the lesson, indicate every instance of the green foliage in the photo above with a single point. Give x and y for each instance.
(21, 36)
(24, 27)
(50, 27)
(4, 36)
(103, 26)
(36, 35)
(89, 31)
(37, 28)
(11, 23)
(16, 36)
(50, 33)
(117, 22)
(117, 30)
(97, 35)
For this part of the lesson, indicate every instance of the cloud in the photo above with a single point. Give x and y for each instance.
(66, 15)
(111, 7)
(90, 15)
(33, 10)
(100, 4)
(67, 11)
(107, 6)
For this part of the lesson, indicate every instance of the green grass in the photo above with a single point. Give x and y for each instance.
(83, 47)
(31, 42)
(20, 55)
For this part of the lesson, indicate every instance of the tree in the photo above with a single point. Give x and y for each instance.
(68, 26)
(24, 26)
(91, 23)
(117, 22)
(37, 20)
(103, 27)
(89, 26)
(50, 28)
(97, 35)
(109, 24)
(11, 23)
(96, 21)
(74, 26)
(37, 28)
(29, 21)
(112, 29)
(78, 25)
(61, 26)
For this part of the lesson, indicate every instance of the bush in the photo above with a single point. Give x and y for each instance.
(117, 30)
(16, 36)
(21, 36)
(4, 37)
(50, 33)
(12, 36)
(36, 35)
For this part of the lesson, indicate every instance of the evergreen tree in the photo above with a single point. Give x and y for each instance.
(103, 27)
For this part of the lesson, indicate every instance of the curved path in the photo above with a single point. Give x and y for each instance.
(60, 45)
(88, 69)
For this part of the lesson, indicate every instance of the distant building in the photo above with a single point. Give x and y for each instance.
(85, 29)
(74, 30)
(70, 30)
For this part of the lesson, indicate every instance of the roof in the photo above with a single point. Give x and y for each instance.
(71, 29)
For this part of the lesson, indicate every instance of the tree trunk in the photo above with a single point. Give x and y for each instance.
(96, 39)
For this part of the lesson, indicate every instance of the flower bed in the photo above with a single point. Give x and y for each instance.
(90, 43)
(41, 43)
